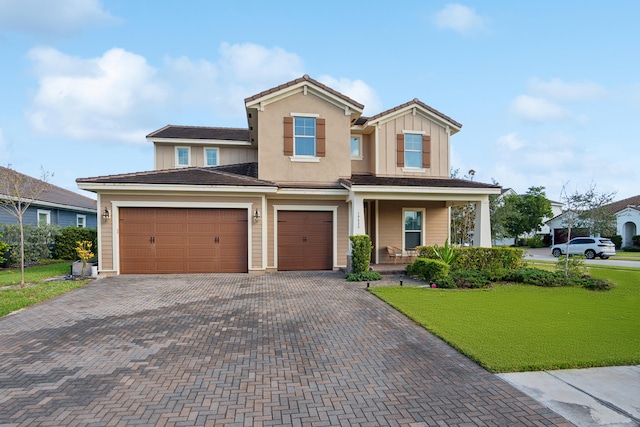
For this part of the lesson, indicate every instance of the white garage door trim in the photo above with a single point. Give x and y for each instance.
(115, 219)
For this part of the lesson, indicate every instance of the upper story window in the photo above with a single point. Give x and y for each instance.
(304, 134)
(412, 150)
(44, 217)
(81, 221)
(211, 157)
(183, 157)
(356, 147)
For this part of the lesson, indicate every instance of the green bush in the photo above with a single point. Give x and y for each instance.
(426, 252)
(38, 242)
(428, 270)
(67, 241)
(536, 242)
(364, 276)
(575, 267)
(3, 248)
(635, 240)
(465, 279)
(489, 259)
(631, 249)
(617, 240)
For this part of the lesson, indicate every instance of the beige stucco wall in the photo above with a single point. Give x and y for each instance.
(165, 155)
(275, 166)
(413, 122)
(107, 230)
(366, 164)
(390, 221)
(342, 231)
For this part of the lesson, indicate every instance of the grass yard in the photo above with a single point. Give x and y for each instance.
(13, 298)
(627, 256)
(511, 328)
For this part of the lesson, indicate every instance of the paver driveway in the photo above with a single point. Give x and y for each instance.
(233, 349)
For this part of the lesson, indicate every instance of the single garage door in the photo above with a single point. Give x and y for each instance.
(305, 240)
(168, 240)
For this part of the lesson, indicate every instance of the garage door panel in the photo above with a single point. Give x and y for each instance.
(305, 240)
(175, 240)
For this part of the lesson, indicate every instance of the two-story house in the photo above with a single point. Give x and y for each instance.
(286, 192)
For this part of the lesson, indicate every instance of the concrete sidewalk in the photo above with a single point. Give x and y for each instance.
(586, 397)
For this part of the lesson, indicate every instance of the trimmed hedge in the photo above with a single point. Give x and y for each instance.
(474, 258)
(428, 269)
(67, 242)
(635, 240)
(617, 240)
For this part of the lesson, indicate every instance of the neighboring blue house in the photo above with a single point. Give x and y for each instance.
(56, 206)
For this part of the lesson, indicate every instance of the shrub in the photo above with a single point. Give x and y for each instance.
(38, 242)
(489, 259)
(464, 279)
(631, 249)
(3, 248)
(447, 254)
(598, 284)
(67, 241)
(426, 252)
(364, 276)
(575, 265)
(536, 242)
(428, 269)
(635, 240)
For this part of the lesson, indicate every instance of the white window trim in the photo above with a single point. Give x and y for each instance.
(416, 132)
(412, 168)
(422, 230)
(43, 212)
(360, 156)
(204, 153)
(302, 157)
(84, 220)
(188, 157)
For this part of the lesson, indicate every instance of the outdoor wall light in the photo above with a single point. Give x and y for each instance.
(256, 215)
(105, 215)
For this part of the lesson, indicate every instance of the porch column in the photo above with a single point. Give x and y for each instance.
(357, 216)
(482, 231)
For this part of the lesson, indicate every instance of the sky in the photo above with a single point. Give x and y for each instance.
(547, 91)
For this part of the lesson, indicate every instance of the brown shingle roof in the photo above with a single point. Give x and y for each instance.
(53, 194)
(420, 103)
(414, 182)
(622, 204)
(201, 132)
(241, 174)
(299, 80)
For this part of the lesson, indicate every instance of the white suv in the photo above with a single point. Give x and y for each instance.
(589, 246)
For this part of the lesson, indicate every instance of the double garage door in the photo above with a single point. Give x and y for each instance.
(168, 240)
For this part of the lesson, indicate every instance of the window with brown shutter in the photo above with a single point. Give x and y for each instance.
(426, 151)
(400, 150)
(320, 138)
(288, 136)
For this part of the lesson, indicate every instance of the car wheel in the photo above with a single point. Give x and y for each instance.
(604, 257)
(556, 252)
(590, 254)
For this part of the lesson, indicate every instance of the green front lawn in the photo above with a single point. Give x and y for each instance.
(13, 297)
(512, 328)
(627, 256)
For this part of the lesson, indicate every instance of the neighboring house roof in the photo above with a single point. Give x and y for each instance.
(371, 180)
(244, 174)
(415, 101)
(56, 195)
(300, 80)
(201, 132)
(623, 204)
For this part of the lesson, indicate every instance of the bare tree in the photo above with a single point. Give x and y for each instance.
(17, 193)
(586, 210)
(463, 216)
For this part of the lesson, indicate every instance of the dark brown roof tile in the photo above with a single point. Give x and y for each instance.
(414, 182)
(201, 132)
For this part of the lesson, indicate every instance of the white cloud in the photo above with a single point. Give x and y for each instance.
(357, 90)
(51, 17)
(559, 90)
(537, 109)
(460, 18)
(97, 98)
(511, 141)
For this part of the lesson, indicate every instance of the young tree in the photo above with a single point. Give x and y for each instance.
(17, 193)
(524, 214)
(587, 210)
(463, 217)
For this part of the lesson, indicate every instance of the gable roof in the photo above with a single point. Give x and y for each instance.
(201, 132)
(244, 174)
(370, 180)
(415, 102)
(54, 194)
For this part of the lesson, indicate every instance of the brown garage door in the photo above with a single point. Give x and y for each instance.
(305, 240)
(168, 240)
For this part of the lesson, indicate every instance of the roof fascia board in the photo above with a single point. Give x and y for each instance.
(199, 141)
(42, 203)
(312, 192)
(419, 110)
(94, 186)
(396, 190)
(265, 100)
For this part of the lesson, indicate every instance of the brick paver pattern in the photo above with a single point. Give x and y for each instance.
(300, 349)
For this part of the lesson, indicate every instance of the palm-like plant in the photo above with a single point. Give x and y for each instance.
(446, 253)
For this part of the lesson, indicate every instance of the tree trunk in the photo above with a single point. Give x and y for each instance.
(21, 252)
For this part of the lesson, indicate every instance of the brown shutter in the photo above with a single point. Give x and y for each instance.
(320, 138)
(426, 151)
(400, 150)
(288, 136)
